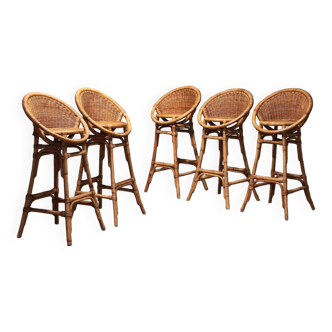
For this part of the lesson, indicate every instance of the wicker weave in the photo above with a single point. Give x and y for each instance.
(229, 108)
(288, 109)
(104, 116)
(102, 113)
(57, 123)
(175, 110)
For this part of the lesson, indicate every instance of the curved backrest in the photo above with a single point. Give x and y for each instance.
(286, 105)
(98, 106)
(49, 111)
(179, 101)
(49, 114)
(289, 108)
(230, 107)
(102, 112)
(228, 104)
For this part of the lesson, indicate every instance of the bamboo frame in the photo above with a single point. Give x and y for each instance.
(281, 116)
(230, 109)
(104, 116)
(174, 112)
(52, 118)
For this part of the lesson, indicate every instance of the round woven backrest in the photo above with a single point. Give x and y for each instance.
(288, 104)
(179, 101)
(228, 104)
(98, 106)
(49, 111)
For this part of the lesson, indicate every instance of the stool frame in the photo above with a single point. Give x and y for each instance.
(281, 116)
(41, 108)
(172, 114)
(229, 108)
(104, 135)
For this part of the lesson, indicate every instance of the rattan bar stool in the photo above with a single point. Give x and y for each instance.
(281, 116)
(56, 123)
(103, 116)
(174, 111)
(224, 114)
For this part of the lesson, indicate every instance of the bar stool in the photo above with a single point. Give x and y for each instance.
(56, 123)
(224, 114)
(281, 116)
(175, 110)
(104, 116)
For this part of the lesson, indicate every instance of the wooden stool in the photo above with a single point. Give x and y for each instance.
(56, 123)
(104, 116)
(175, 110)
(288, 109)
(230, 109)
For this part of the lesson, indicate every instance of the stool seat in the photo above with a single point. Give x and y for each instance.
(289, 109)
(67, 131)
(112, 124)
(277, 122)
(52, 117)
(105, 114)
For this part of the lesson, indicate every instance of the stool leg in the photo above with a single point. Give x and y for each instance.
(113, 184)
(284, 187)
(225, 154)
(93, 194)
(152, 168)
(131, 170)
(198, 168)
(79, 178)
(27, 204)
(193, 143)
(55, 198)
(68, 212)
(245, 160)
(273, 168)
(251, 181)
(176, 164)
(79, 183)
(220, 163)
(100, 177)
(304, 176)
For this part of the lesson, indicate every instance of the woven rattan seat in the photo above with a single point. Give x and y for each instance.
(281, 116)
(223, 117)
(174, 112)
(103, 116)
(56, 123)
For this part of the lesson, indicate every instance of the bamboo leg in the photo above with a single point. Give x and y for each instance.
(79, 183)
(251, 181)
(284, 187)
(100, 178)
(225, 155)
(193, 143)
(68, 212)
(152, 168)
(113, 184)
(220, 163)
(79, 178)
(131, 170)
(93, 194)
(198, 168)
(176, 164)
(245, 160)
(55, 198)
(27, 204)
(272, 186)
(304, 176)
